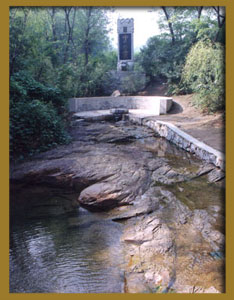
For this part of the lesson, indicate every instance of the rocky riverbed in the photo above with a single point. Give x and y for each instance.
(170, 204)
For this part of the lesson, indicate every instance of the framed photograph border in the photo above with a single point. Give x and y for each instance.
(4, 127)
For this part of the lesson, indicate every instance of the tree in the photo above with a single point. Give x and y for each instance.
(169, 24)
(18, 41)
(181, 27)
(203, 74)
(69, 27)
(53, 44)
(92, 34)
(55, 53)
(220, 14)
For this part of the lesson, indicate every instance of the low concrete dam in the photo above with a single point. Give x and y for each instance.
(151, 105)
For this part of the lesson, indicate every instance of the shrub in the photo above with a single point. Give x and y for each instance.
(85, 80)
(161, 60)
(24, 86)
(126, 82)
(203, 74)
(133, 83)
(34, 127)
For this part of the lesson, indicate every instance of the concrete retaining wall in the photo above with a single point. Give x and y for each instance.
(183, 140)
(157, 105)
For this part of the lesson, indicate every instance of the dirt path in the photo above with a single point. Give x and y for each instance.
(209, 129)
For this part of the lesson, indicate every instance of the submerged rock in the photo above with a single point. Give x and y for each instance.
(173, 252)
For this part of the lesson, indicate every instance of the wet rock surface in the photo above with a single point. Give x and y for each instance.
(170, 203)
(176, 249)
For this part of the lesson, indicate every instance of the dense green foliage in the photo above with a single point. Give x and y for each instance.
(37, 114)
(203, 74)
(34, 127)
(67, 47)
(165, 55)
(55, 53)
(24, 86)
(162, 61)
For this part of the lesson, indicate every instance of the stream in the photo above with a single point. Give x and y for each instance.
(149, 217)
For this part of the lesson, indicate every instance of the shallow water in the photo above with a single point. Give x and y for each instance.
(81, 252)
(76, 254)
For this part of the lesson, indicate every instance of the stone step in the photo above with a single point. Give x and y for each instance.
(94, 115)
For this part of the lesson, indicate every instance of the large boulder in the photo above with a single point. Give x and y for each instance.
(102, 196)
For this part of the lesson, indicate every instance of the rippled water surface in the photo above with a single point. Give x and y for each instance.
(76, 254)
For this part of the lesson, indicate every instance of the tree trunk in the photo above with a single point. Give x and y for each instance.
(220, 16)
(169, 25)
(86, 42)
(67, 26)
(17, 47)
(52, 16)
(220, 20)
(70, 27)
(199, 11)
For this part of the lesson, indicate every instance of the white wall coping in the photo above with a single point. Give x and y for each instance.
(193, 140)
(183, 140)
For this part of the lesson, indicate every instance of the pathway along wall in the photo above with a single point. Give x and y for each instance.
(183, 140)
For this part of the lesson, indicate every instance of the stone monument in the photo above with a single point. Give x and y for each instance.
(125, 29)
(124, 80)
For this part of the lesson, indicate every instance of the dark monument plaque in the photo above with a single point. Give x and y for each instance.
(125, 46)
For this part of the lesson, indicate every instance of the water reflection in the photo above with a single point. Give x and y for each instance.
(163, 148)
(50, 256)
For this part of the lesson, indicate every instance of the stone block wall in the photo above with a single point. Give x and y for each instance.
(183, 140)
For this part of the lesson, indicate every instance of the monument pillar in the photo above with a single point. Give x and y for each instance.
(125, 29)
(125, 79)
